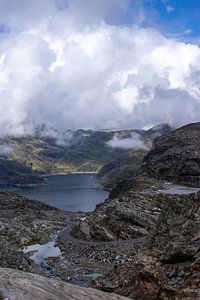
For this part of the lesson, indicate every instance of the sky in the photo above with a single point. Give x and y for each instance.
(98, 64)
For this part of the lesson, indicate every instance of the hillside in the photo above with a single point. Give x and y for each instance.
(126, 165)
(142, 242)
(176, 156)
(49, 151)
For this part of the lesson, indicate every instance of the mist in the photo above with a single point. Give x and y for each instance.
(134, 142)
(71, 65)
(5, 149)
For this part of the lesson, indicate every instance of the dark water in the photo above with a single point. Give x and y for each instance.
(72, 192)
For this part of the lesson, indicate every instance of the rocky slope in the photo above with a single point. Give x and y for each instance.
(24, 222)
(176, 156)
(127, 164)
(130, 215)
(14, 172)
(143, 242)
(25, 286)
(166, 266)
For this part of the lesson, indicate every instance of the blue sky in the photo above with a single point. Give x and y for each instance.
(179, 17)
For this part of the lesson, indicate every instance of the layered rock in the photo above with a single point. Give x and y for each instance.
(166, 266)
(176, 156)
(131, 215)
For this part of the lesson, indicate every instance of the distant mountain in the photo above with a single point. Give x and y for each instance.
(50, 151)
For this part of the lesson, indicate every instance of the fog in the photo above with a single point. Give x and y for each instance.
(133, 142)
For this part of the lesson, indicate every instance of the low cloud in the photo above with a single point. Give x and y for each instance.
(134, 142)
(5, 150)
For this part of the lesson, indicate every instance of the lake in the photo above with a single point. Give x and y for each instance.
(71, 192)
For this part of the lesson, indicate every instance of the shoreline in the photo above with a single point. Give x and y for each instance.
(69, 173)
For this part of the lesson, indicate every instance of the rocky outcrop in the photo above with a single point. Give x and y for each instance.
(25, 286)
(166, 266)
(130, 215)
(24, 222)
(176, 156)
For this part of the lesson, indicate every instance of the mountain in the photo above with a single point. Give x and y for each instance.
(161, 227)
(142, 242)
(48, 151)
(175, 156)
(126, 165)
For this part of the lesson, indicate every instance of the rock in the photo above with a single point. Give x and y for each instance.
(164, 267)
(22, 223)
(176, 156)
(131, 215)
(25, 286)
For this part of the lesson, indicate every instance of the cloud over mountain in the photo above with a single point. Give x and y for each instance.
(73, 64)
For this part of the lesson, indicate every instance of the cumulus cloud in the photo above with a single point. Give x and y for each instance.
(69, 64)
(133, 142)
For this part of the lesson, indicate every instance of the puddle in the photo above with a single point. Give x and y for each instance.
(44, 251)
(175, 189)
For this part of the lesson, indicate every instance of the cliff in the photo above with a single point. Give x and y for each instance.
(175, 156)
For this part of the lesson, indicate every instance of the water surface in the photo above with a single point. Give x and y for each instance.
(71, 192)
(175, 189)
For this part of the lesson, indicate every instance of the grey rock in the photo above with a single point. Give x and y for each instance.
(176, 156)
(16, 285)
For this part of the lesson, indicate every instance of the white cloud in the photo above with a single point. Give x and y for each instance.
(69, 68)
(170, 8)
(134, 142)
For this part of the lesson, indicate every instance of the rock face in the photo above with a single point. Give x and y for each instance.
(176, 156)
(167, 265)
(131, 215)
(25, 286)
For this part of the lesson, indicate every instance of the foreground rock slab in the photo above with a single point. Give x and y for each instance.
(18, 285)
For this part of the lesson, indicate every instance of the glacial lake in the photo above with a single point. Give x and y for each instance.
(71, 192)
